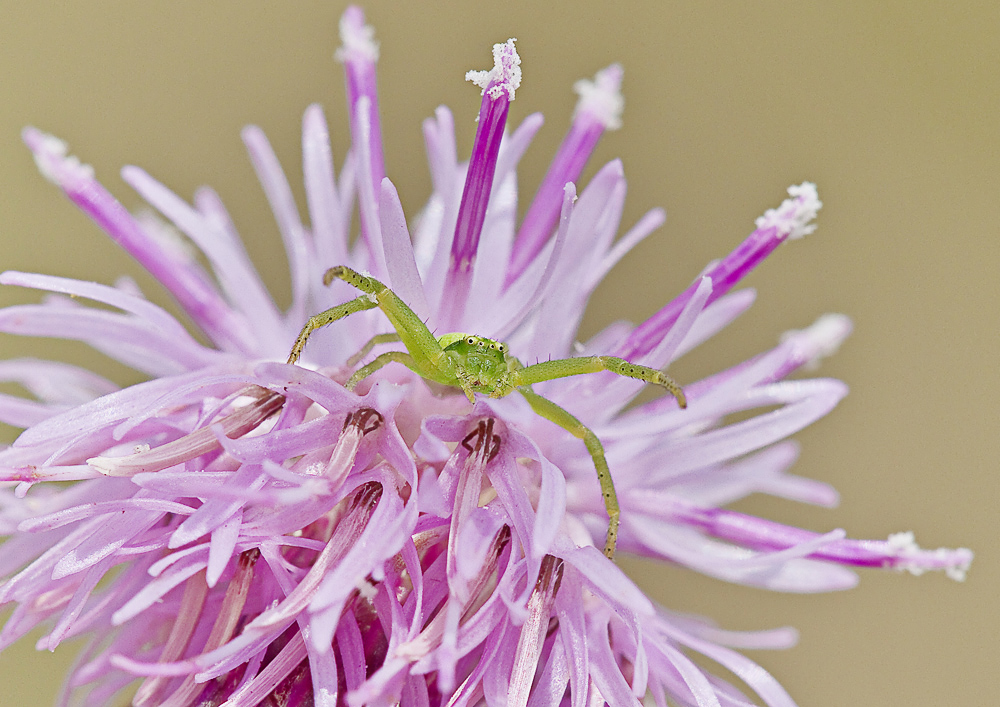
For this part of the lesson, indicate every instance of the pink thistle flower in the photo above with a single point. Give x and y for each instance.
(240, 528)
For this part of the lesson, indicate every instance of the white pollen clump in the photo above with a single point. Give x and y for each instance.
(905, 546)
(504, 77)
(57, 166)
(602, 97)
(904, 542)
(957, 573)
(793, 218)
(358, 38)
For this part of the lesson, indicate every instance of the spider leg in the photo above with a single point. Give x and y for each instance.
(372, 343)
(327, 317)
(428, 356)
(380, 361)
(550, 411)
(563, 367)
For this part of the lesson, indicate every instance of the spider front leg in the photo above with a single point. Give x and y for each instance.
(550, 411)
(427, 357)
(563, 367)
(326, 317)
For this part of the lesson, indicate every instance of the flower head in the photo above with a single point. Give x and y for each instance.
(241, 528)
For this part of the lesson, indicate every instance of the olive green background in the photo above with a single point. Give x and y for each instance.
(890, 107)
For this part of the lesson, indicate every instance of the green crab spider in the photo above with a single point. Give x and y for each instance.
(478, 365)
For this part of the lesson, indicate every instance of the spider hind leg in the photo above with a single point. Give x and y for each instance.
(552, 412)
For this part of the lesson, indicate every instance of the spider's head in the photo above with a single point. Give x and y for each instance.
(482, 360)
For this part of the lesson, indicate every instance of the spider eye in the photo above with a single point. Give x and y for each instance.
(470, 341)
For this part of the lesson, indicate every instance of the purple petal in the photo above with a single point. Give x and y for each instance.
(155, 589)
(544, 285)
(399, 259)
(790, 220)
(182, 279)
(329, 223)
(222, 547)
(77, 513)
(762, 682)
(279, 195)
(589, 123)
(498, 87)
(54, 381)
(225, 253)
(359, 54)
(606, 579)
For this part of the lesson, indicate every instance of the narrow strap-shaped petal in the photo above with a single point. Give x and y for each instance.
(439, 141)
(604, 393)
(55, 381)
(19, 412)
(791, 220)
(112, 535)
(65, 624)
(604, 669)
(368, 189)
(803, 402)
(436, 232)
(715, 317)
(113, 296)
(650, 221)
(605, 578)
(595, 220)
(551, 504)
(499, 85)
(398, 250)
(359, 54)
(108, 410)
(573, 634)
(157, 587)
(122, 337)
(701, 689)
(599, 109)
(544, 285)
(182, 278)
(78, 513)
(241, 282)
(215, 512)
(329, 224)
(788, 572)
(279, 195)
(762, 682)
(223, 250)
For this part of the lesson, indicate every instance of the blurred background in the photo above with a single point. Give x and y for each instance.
(890, 107)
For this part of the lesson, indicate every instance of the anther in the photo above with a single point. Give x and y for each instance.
(365, 419)
(485, 440)
(367, 495)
